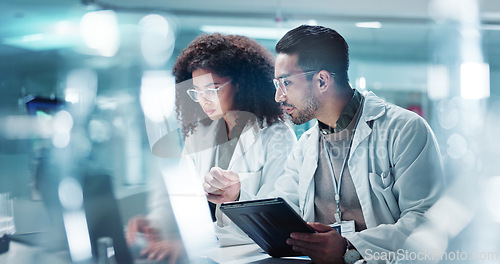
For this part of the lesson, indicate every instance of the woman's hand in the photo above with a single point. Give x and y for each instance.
(222, 185)
(160, 250)
(140, 224)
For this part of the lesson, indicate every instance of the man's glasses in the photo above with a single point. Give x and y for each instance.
(209, 94)
(282, 83)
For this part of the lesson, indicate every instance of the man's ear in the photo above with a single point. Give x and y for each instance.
(325, 80)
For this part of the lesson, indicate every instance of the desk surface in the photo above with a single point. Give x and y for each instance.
(240, 254)
(24, 254)
(252, 253)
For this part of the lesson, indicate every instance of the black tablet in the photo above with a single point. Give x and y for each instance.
(268, 222)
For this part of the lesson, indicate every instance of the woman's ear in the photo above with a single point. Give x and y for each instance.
(236, 88)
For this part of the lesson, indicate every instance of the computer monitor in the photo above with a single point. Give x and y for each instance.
(40, 106)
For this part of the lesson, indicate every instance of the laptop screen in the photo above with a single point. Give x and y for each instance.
(103, 216)
(189, 205)
(190, 208)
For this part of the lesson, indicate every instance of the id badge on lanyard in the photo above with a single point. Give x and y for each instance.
(345, 228)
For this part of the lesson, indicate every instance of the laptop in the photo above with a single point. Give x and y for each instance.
(103, 216)
(104, 220)
(191, 211)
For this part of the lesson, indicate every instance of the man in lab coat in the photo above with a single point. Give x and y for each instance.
(368, 164)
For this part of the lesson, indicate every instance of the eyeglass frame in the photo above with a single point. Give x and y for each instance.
(278, 82)
(216, 90)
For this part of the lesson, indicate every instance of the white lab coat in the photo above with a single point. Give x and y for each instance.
(396, 169)
(258, 159)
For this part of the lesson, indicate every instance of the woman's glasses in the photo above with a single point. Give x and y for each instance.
(209, 94)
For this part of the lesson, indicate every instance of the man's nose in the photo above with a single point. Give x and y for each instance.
(279, 96)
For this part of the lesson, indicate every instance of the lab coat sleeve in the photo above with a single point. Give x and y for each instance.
(416, 182)
(278, 141)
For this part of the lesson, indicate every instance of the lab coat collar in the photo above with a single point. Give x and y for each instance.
(312, 150)
(373, 108)
(205, 142)
(202, 139)
(247, 139)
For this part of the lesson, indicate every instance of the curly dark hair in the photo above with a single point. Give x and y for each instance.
(242, 59)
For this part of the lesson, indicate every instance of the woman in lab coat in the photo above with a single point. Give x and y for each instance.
(235, 139)
(233, 128)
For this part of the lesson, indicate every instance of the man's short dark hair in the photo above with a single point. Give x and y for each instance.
(318, 48)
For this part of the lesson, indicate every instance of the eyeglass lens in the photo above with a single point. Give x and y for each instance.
(209, 94)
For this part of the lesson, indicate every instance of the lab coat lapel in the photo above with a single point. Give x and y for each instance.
(306, 174)
(358, 162)
(206, 155)
(248, 138)
(358, 167)
(373, 108)
(311, 156)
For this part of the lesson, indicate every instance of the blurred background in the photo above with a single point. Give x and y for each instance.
(88, 83)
